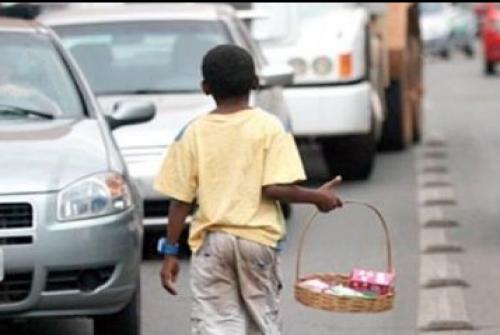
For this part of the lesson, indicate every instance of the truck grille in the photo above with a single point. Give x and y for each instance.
(15, 287)
(156, 208)
(16, 215)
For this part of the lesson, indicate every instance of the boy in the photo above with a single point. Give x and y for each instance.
(237, 162)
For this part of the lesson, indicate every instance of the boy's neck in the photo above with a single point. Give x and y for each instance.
(231, 105)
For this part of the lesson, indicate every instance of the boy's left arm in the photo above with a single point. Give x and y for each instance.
(178, 212)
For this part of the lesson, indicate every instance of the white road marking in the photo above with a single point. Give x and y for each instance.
(437, 196)
(435, 241)
(434, 180)
(440, 271)
(443, 309)
(433, 217)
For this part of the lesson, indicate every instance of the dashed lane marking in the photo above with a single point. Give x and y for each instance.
(434, 241)
(434, 217)
(440, 271)
(443, 309)
(437, 196)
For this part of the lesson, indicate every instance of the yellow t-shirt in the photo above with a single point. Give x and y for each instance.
(222, 161)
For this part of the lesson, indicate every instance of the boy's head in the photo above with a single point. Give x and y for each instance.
(228, 72)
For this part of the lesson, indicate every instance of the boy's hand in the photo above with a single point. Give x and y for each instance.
(327, 199)
(169, 273)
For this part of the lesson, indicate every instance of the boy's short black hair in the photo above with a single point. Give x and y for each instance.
(229, 71)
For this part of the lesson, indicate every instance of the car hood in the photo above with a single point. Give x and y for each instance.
(44, 156)
(173, 112)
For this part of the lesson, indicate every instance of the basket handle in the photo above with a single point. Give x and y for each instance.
(348, 202)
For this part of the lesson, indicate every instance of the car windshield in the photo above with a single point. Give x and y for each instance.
(34, 80)
(143, 57)
(427, 8)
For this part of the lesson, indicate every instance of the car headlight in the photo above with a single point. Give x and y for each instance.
(97, 195)
(299, 66)
(322, 66)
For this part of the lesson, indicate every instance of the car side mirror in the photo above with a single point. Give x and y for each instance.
(276, 75)
(131, 112)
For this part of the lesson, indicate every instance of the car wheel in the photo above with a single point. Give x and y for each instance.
(469, 51)
(125, 322)
(445, 53)
(398, 129)
(489, 67)
(352, 157)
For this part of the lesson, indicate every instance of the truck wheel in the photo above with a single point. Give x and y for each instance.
(125, 322)
(286, 209)
(489, 67)
(396, 134)
(352, 157)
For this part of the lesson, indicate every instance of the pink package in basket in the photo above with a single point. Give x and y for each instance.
(378, 282)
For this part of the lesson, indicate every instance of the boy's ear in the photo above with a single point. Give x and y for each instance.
(205, 88)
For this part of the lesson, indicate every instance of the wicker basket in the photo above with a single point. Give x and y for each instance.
(329, 302)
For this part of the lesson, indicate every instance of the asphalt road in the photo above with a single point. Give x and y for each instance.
(464, 106)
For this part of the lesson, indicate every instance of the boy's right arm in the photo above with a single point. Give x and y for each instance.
(323, 197)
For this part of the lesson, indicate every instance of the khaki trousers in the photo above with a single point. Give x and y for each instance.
(235, 285)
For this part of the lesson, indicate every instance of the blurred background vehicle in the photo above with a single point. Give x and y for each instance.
(153, 53)
(436, 24)
(70, 217)
(490, 36)
(332, 100)
(384, 43)
(481, 9)
(463, 28)
(396, 26)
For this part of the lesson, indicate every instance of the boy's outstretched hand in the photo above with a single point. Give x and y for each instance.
(169, 273)
(327, 199)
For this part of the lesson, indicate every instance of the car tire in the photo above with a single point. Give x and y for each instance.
(125, 322)
(469, 51)
(352, 157)
(445, 53)
(395, 134)
(489, 67)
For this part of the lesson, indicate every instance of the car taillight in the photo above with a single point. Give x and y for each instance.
(345, 66)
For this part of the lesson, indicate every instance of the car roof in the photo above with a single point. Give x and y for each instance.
(18, 25)
(134, 12)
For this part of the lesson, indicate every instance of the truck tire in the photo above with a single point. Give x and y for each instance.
(489, 67)
(395, 133)
(286, 209)
(352, 157)
(125, 322)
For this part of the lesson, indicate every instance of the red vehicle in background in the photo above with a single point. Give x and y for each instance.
(490, 34)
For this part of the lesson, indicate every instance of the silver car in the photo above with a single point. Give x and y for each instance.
(70, 219)
(153, 52)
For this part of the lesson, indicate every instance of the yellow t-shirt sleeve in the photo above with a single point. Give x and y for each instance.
(177, 177)
(282, 164)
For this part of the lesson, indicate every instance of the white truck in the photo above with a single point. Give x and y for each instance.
(335, 99)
